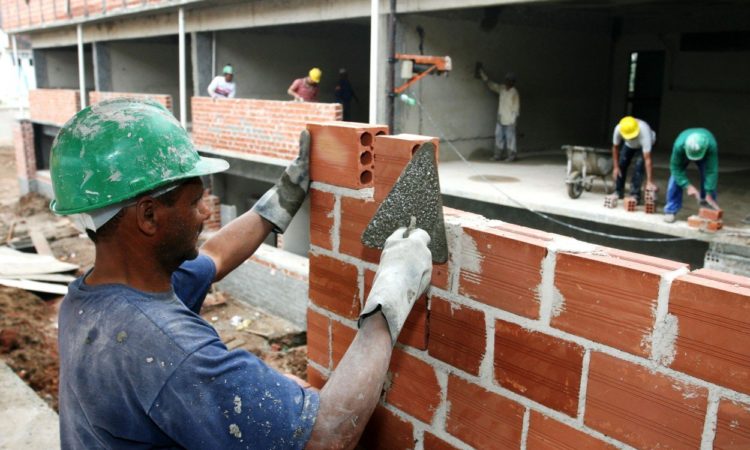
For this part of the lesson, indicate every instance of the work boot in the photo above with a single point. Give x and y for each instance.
(511, 157)
(669, 218)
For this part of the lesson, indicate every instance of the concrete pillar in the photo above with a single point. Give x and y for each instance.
(40, 68)
(102, 67)
(201, 55)
(23, 141)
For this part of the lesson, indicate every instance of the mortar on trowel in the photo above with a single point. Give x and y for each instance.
(414, 202)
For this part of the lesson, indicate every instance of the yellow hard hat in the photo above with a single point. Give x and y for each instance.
(315, 74)
(629, 127)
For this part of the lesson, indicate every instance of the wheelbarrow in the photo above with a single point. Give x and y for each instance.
(585, 164)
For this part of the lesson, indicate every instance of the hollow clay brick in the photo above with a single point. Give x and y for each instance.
(610, 201)
(387, 431)
(392, 154)
(414, 388)
(650, 207)
(696, 221)
(341, 153)
(355, 216)
(321, 218)
(333, 286)
(713, 323)
(317, 337)
(630, 204)
(440, 276)
(457, 335)
(710, 214)
(538, 366)
(732, 425)
(480, 417)
(415, 330)
(315, 378)
(505, 270)
(642, 408)
(609, 297)
(548, 434)
(432, 442)
(341, 338)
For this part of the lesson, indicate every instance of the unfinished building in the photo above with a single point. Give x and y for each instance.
(546, 343)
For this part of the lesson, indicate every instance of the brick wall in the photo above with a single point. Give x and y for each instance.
(98, 96)
(528, 339)
(53, 106)
(256, 127)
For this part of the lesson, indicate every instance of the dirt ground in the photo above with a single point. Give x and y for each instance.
(28, 322)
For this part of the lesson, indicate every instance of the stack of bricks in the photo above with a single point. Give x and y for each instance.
(707, 219)
(630, 204)
(266, 128)
(650, 202)
(527, 339)
(53, 106)
(164, 99)
(213, 203)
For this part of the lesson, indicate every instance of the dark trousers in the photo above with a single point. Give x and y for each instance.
(627, 154)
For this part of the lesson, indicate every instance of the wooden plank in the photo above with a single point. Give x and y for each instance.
(14, 263)
(35, 286)
(49, 277)
(40, 243)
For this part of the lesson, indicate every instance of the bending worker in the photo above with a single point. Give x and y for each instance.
(508, 110)
(696, 145)
(223, 86)
(638, 139)
(138, 366)
(306, 89)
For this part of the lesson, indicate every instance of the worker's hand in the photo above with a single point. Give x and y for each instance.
(298, 99)
(615, 172)
(711, 201)
(483, 75)
(404, 274)
(691, 190)
(651, 187)
(282, 201)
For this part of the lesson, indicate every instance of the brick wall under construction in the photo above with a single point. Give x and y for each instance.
(525, 339)
(99, 96)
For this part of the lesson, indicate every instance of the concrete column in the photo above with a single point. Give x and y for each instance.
(102, 67)
(201, 55)
(40, 68)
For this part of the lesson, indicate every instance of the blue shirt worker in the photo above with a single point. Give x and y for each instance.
(696, 145)
(636, 139)
(139, 368)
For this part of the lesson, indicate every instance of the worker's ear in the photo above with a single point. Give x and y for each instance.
(147, 213)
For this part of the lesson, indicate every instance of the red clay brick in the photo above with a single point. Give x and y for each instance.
(355, 216)
(321, 218)
(341, 338)
(317, 337)
(341, 153)
(609, 298)
(538, 366)
(414, 387)
(457, 335)
(509, 273)
(713, 321)
(315, 378)
(53, 106)
(333, 285)
(415, 330)
(387, 431)
(440, 276)
(696, 221)
(432, 442)
(392, 154)
(481, 418)
(732, 426)
(642, 408)
(548, 434)
(710, 214)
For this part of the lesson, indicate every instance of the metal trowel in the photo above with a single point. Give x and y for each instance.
(414, 201)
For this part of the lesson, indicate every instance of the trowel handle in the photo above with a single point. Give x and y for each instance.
(412, 226)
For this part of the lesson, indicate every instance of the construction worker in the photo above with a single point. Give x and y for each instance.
(696, 145)
(508, 110)
(223, 86)
(637, 139)
(138, 366)
(306, 89)
(344, 93)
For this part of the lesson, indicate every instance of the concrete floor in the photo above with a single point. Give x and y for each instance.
(536, 181)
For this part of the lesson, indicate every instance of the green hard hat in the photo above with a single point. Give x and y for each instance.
(695, 146)
(117, 149)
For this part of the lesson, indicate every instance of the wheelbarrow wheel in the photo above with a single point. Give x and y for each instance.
(575, 185)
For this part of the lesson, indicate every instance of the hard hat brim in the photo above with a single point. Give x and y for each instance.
(632, 135)
(695, 156)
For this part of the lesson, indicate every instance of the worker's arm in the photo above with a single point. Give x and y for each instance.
(238, 240)
(212, 88)
(293, 91)
(350, 395)
(615, 161)
(494, 87)
(648, 162)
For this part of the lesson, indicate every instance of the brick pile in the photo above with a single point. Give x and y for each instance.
(53, 106)
(707, 219)
(528, 339)
(650, 201)
(163, 99)
(267, 128)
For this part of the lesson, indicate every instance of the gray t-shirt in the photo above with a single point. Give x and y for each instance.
(645, 139)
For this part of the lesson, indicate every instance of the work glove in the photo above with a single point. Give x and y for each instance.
(281, 202)
(404, 274)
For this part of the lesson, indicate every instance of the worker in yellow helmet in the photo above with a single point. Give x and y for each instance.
(306, 89)
(636, 139)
